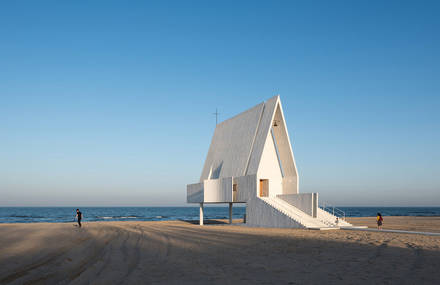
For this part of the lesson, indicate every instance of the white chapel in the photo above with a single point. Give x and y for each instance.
(251, 161)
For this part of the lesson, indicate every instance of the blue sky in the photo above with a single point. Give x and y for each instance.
(110, 102)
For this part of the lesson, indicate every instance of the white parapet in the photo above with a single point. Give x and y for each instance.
(194, 193)
(210, 191)
(306, 202)
(246, 187)
(218, 190)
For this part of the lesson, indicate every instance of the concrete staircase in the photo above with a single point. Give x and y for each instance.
(323, 221)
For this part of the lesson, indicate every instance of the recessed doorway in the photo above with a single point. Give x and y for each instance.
(264, 187)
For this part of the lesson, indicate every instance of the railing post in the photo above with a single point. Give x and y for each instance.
(332, 210)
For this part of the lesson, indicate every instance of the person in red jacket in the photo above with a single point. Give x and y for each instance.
(379, 221)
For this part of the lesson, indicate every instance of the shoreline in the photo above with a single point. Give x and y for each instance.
(134, 219)
(406, 223)
(177, 252)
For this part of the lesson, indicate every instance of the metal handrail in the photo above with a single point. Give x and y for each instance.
(332, 210)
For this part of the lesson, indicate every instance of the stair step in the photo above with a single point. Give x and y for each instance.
(324, 221)
(295, 214)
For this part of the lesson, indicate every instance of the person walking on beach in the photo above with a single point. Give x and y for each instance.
(79, 217)
(379, 221)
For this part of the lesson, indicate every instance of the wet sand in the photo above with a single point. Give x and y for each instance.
(177, 252)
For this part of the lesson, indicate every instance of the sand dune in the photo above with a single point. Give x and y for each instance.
(183, 253)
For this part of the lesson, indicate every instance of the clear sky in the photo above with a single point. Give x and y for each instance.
(110, 102)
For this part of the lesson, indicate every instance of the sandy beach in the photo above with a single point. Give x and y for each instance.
(422, 224)
(177, 252)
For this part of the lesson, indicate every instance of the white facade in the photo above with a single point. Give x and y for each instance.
(251, 161)
(270, 168)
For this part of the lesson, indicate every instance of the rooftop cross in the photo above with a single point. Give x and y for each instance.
(216, 116)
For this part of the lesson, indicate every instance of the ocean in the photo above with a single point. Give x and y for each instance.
(95, 214)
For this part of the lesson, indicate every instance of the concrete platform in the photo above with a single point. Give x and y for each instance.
(323, 228)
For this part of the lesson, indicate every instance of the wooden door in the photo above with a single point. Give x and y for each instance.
(264, 188)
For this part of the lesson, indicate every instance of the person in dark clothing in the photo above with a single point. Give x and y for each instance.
(79, 217)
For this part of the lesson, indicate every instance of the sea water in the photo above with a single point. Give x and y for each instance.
(92, 214)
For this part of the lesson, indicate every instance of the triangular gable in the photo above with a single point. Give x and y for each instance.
(272, 113)
(287, 159)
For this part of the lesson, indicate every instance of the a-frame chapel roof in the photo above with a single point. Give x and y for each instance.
(237, 145)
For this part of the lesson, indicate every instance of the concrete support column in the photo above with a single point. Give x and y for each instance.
(201, 214)
(315, 205)
(230, 213)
